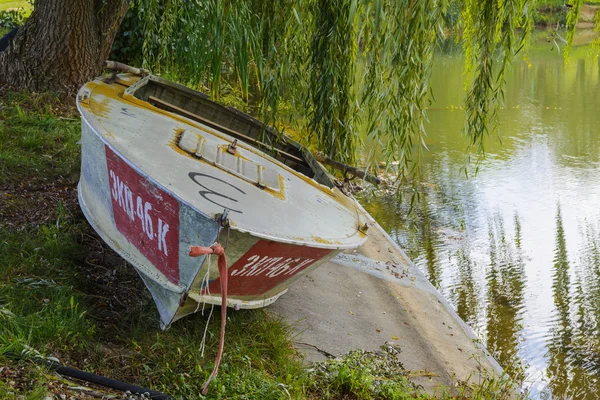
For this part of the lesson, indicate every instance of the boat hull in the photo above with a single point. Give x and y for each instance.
(153, 230)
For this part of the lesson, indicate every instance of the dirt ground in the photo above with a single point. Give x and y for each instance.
(586, 19)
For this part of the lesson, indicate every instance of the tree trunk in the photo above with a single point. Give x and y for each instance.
(62, 45)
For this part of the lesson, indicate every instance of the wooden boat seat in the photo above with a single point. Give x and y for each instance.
(209, 150)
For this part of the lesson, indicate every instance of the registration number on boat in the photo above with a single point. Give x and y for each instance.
(146, 215)
(266, 265)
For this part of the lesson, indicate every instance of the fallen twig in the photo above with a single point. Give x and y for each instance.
(325, 353)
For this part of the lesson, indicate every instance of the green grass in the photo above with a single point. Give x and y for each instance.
(37, 145)
(18, 4)
(64, 293)
(12, 14)
(61, 293)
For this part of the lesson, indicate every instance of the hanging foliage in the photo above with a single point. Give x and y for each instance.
(332, 69)
(490, 43)
(400, 39)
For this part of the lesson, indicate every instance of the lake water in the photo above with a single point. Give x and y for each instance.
(516, 249)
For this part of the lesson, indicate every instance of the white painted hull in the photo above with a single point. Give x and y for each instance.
(150, 203)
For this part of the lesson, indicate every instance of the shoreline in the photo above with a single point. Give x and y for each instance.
(362, 299)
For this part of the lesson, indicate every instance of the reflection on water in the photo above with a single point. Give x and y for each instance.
(573, 349)
(516, 249)
(560, 345)
(505, 284)
(465, 289)
(428, 240)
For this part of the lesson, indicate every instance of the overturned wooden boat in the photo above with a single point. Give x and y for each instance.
(164, 168)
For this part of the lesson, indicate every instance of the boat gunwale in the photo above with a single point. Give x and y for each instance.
(130, 91)
(296, 241)
(224, 136)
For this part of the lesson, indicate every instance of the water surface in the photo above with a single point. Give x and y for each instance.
(516, 249)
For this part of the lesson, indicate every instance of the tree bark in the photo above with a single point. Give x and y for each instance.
(62, 45)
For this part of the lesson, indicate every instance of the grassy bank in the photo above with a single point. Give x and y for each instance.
(16, 5)
(553, 14)
(65, 294)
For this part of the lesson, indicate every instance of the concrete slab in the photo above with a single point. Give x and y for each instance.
(362, 299)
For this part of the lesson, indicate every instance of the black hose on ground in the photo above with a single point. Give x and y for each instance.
(93, 378)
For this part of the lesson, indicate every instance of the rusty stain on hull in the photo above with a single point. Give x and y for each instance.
(150, 204)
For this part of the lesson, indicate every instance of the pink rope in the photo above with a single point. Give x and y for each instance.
(196, 251)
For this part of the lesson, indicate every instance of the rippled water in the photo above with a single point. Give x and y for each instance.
(516, 249)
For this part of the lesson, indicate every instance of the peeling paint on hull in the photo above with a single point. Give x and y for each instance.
(151, 202)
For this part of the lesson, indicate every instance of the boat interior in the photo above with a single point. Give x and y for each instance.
(188, 103)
